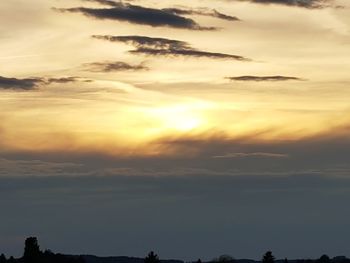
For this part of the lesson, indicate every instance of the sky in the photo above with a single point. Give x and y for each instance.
(191, 128)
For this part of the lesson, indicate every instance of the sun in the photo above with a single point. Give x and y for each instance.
(185, 124)
(181, 119)
(178, 118)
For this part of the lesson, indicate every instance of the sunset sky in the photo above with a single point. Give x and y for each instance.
(229, 119)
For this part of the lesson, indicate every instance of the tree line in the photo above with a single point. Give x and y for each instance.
(33, 254)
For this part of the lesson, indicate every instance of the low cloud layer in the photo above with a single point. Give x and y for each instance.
(263, 78)
(212, 154)
(166, 47)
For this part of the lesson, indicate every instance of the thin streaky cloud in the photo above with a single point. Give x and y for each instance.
(264, 78)
(61, 80)
(311, 4)
(202, 12)
(254, 154)
(111, 66)
(166, 47)
(144, 41)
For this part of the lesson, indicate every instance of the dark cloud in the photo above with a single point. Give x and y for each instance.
(33, 83)
(298, 3)
(61, 80)
(20, 84)
(186, 53)
(179, 11)
(263, 78)
(166, 47)
(137, 15)
(113, 66)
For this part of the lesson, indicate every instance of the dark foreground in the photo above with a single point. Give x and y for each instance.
(33, 254)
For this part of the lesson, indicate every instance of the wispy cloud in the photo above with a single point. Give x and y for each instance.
(166, 47)
(254, 154)
(297, 3)
(202, 12)
(62, 80)
(263, 78)
(15, 167)
(109, 66)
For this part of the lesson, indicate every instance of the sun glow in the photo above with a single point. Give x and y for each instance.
(180, 117)
(185, 123)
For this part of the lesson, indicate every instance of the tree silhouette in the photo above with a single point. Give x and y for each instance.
(268, 257)
(224, 259)
(152, 258)
(324, 259)
(2, 258)
(32, 251)
(33, 254)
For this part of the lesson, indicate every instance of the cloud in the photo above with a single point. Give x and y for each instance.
(64, 80)
(254, 154)
(143, 41)
(113, 66)
(27, 84)
(298, 3)
(15, 167)
(138, 15)
(186, 53)
(263, 78)
(179, 11)
(61, 80)
(224, 16)
(166, 47)
(208, 153)
(105, 2)
(203, 12)
(19, 84)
